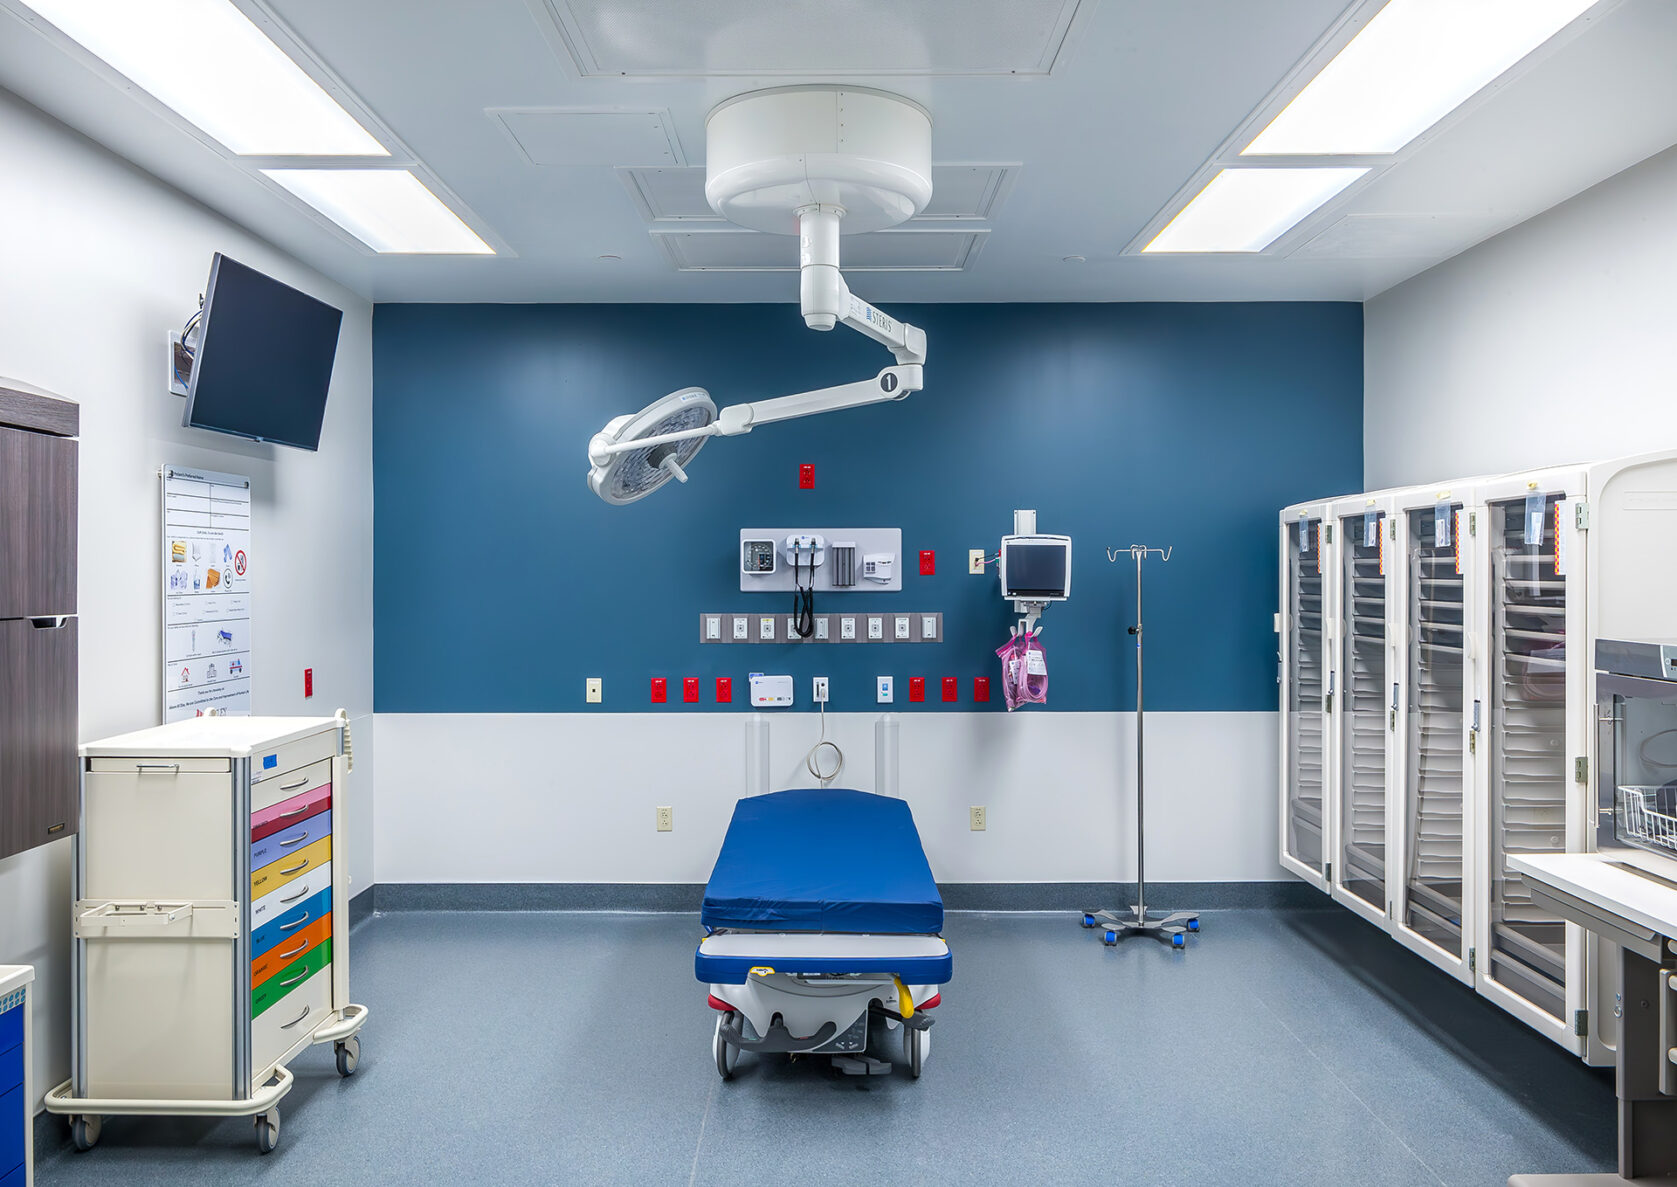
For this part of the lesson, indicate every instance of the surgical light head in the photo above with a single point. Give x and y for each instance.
(633, 455)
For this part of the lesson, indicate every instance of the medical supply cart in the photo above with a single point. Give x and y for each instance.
(17, 1099)
(211, 920)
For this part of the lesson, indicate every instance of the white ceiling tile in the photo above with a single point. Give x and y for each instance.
(609, 136)
(730, 250)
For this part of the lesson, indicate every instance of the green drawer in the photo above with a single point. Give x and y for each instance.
(290, 977)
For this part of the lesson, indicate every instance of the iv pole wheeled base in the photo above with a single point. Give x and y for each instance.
(1137, 920)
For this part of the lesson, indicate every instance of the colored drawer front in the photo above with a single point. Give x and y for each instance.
(285, 901)
(288, 978)
(268, 821)
(296, 918)
(11, 1024)
(13, 1118)
(290, 839)
(11, 1067)
(290, 867)
(15, 1179)
(265, 967)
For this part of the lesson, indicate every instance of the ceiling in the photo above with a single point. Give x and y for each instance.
(569, 130)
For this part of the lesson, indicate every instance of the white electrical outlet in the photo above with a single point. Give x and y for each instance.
(886, 691)
(713, 627)
(928, 626)
(901, 626)
(847, 628)
(742, 629)
(975, 560)
(822, 629)
(666, 819)
(975, 819)
(820, 690)
(876, 627)
(595, 693)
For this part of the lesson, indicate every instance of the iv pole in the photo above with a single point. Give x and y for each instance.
(1120, 924)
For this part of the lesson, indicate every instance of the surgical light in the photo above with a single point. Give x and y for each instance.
(1245, 210)
(390, 210)
(1408, 68)
(210, 64)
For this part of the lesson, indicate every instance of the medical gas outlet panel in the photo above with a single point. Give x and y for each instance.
(821, 560)
(893, 627)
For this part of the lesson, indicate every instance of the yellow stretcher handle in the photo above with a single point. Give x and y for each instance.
(905, 999)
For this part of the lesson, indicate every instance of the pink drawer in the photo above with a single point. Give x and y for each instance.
(299, 807)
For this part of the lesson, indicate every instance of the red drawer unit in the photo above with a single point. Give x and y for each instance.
(287, 812)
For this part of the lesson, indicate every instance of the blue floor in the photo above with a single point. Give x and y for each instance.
(1285, 1047)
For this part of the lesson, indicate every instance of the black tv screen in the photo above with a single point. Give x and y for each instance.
(264, 358)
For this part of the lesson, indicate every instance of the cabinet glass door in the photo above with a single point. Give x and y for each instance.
(1363, 719)
(1306, 719)
(1434, 767)
(1528, 775)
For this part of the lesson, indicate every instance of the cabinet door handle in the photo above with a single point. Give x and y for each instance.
(297, 840)
(48, 622)
(294, 811)
(303, 893)
(294, 786)
(297, 980)
(297, 924)
(296, 1020)
(296, 868)
(142, 767)
(297, 951)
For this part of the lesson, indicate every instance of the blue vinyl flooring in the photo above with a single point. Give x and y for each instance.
(1284, 1047)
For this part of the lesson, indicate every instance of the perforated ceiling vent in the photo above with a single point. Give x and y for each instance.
(854, 38)
(726, 249)
(959, 192)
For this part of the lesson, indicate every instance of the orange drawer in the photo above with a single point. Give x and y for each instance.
(277, 958)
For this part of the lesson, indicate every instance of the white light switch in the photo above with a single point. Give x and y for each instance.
(886, 691)
(847, 628)
(876, 627)
(713, 626)
(928, 626)
(822, 625)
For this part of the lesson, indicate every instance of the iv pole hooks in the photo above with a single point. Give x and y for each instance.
(1119, 924)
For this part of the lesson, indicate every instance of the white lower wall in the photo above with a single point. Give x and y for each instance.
(1548, 344)
(570, 797)
(98, 261)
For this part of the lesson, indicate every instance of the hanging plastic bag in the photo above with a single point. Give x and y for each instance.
(1011, 664)
(1024, 671)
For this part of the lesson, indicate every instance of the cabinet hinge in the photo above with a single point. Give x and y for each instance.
(1473, 742)
(1473, 523)
(1327, 533)
(1581, 515)
(1581, 769)
(1473, 960)
(1393, 525)
(1581, 1023)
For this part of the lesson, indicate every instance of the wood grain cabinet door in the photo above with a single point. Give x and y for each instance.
(37, 524)
(38, 763)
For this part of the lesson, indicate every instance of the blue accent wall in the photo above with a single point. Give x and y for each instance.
(501, 582)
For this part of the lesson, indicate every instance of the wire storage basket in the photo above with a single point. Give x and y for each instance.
(1647, 816)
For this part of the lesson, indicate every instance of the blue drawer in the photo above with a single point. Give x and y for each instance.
(293, 920)
(14, 1179)
(13, 1117)
(11, 1023)
(11, 1068)
(290, 839)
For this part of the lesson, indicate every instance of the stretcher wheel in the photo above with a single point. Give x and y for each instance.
(1088, 921)
(1193, 925)
(1111, 938)
(917, 1044)
(727, 1055)
(267, 1131)
(348, 1052)
(1179, 941)
(84, 1132)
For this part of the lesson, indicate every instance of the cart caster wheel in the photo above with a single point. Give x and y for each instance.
(727, 1055)
(267, 1131)
(1193, 925)
(1088, 921)
(349, 1055)
(1179, 941)
(84, 1132)
(917, 1044)
(1111, 938)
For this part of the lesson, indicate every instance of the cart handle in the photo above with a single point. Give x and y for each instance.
(137, 914)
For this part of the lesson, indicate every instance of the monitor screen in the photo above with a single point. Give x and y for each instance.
(1036, 570)
(264, 358)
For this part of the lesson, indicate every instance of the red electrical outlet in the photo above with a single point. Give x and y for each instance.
(806, 476)
(690, 690)
(916, 688)
(308, 682)
(928, 563)
(981, 688)
(724, 690)
(951, 688)
(658, 694)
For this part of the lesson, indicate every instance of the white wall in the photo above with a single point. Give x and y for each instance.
(1549, 343)
(97, 262)
(570, 797)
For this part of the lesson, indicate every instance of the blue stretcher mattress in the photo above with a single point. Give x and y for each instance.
(823, 859)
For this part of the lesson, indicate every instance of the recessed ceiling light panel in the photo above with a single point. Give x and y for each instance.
(1409, 67)
(210, 64)
(1246, 210)
(390, 210)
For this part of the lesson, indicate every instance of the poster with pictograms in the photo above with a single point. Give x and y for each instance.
(206, 593)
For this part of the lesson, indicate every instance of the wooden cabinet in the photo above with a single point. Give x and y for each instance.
(38, 479)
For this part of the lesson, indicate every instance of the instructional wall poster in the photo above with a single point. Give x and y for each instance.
(206, 593)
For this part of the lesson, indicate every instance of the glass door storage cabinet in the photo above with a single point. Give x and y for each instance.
(1306, 692)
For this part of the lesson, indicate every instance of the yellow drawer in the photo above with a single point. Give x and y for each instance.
(290, 867)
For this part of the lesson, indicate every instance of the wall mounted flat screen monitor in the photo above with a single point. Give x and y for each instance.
(1036, 568)
(264, 358)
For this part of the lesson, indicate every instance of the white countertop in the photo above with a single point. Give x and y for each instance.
(209, 737)
(15, 976)
(1598, 879)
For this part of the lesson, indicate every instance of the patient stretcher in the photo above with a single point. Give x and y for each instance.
(822, 923)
